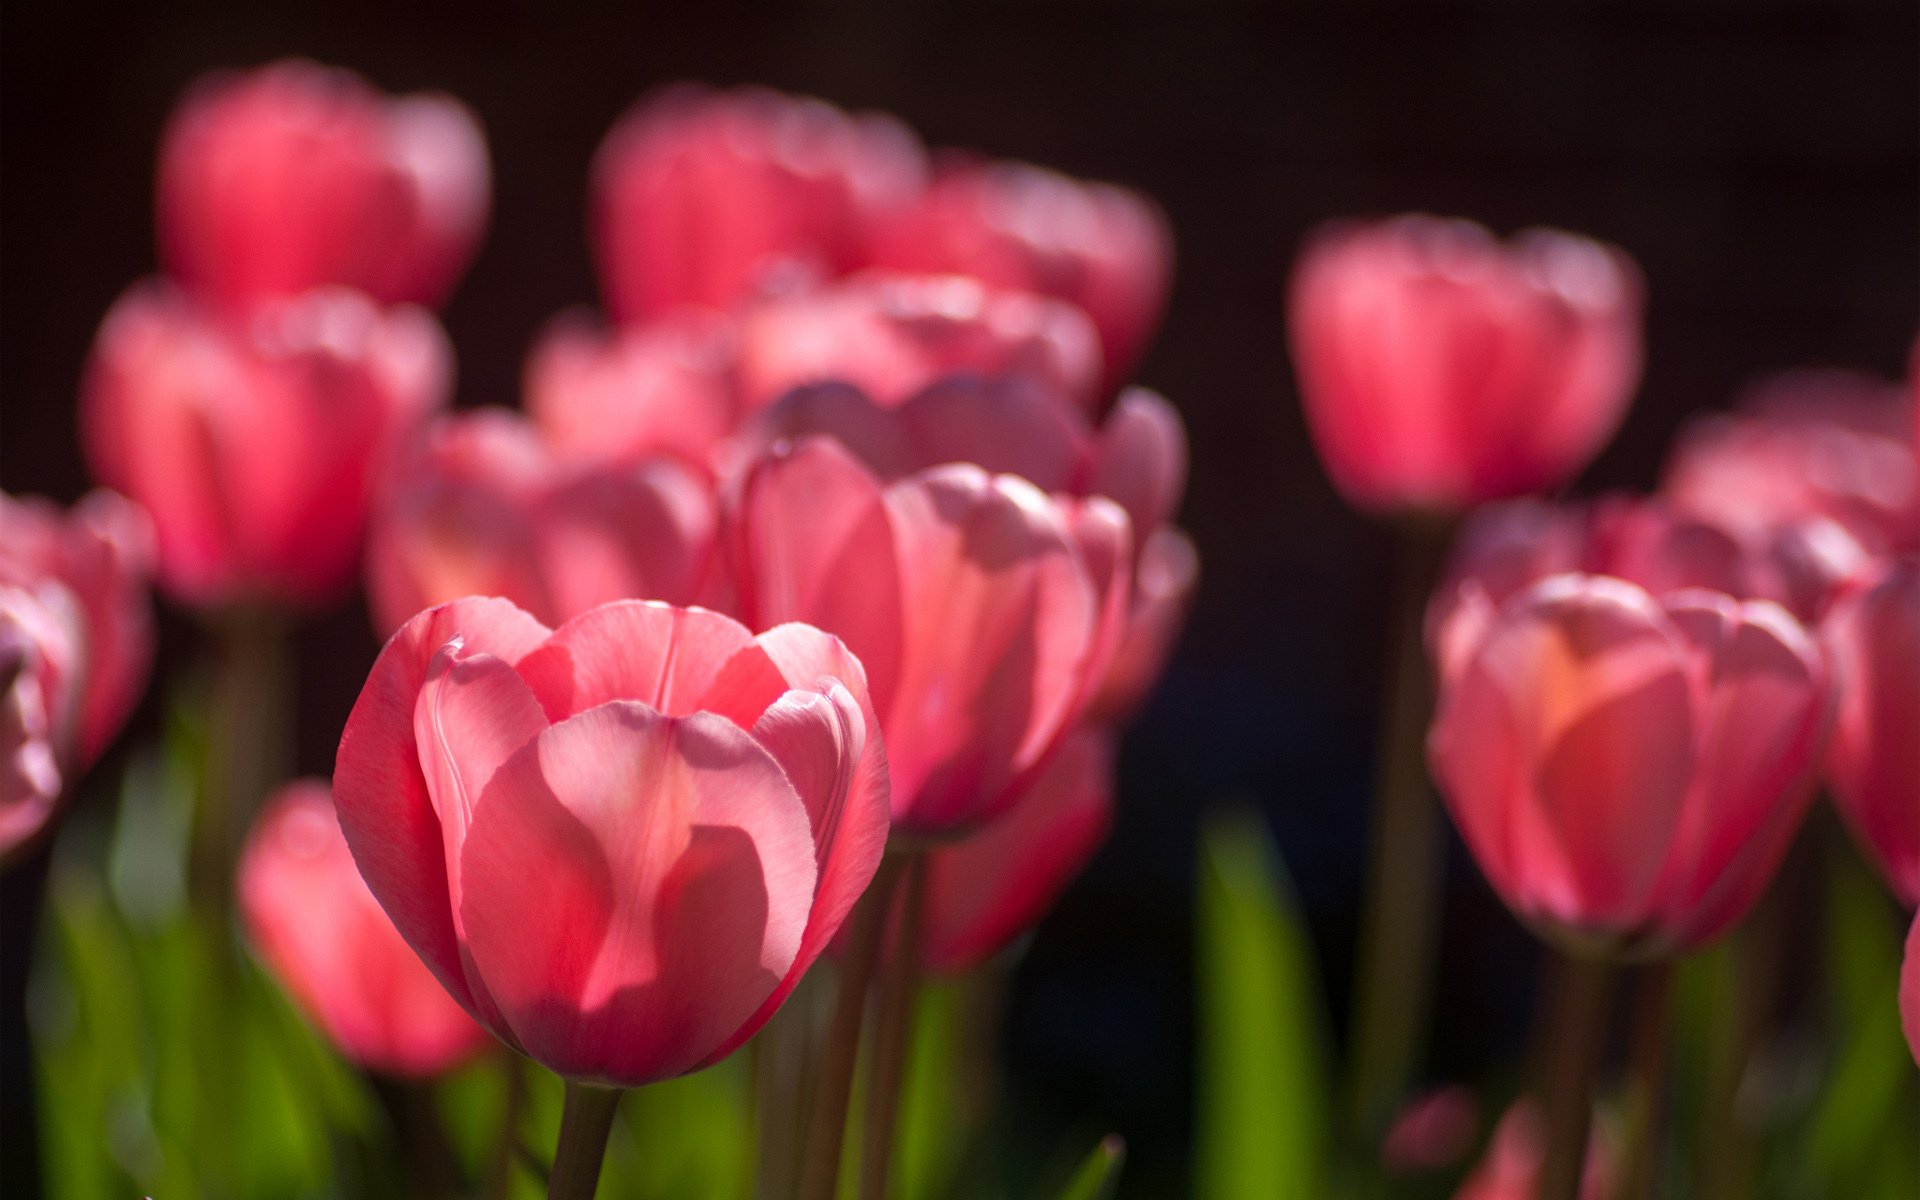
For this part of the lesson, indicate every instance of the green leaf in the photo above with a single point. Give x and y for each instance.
(1263, 1091)
(1099, 1172)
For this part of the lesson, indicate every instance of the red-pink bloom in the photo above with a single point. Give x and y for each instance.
(660, 388)
(1802, 450)
(324, 936)
(1440, 369)
(1136, 458)
(101, 554)
(1872, 635)
(1433, 1130)
(1105, 249)
(483, 507)
(706, 198)
(1910, 991)
(1628, 770)
(995, 884)
(294, 176)
(618, 843)
(890, 335)
(40, 660)
(255, 445)
(984, 610)
(1511, 1168)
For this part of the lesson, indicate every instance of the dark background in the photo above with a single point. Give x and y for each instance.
(1758, 157)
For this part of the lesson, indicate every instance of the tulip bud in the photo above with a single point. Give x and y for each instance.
(1517, 1153)
(255, 446)
(323, 935)
(1440, 369)
(1873, 761)
(294, 176)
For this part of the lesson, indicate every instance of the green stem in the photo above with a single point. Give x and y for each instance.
(893, 1035)
(500, 1173)
(1583, 992)
(785, 1079)
(586, 1118)
(1401, 908)
(827, 1123)
(249, 712)
(1647, 1098)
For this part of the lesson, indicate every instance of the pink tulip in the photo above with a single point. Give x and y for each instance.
(1440, 369)
(324, 936)
(1910, 991)
(41, 648)
(1627, 770)
(706, 198)
(988, 888)
(890, 335)
(101, 554)
(660, 388)
(1104, 249)
(1803, 450)
(294, 176)
(1433, 1131)
(619, 843)
(1518, 1152)
(482, 507)
(984, 610)
(1873, 761)
(255, 447)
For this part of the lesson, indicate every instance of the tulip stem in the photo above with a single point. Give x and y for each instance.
(1647, 1089)
(827, 1123)
(1583, 990)
(500, 1174)
(248, 714)
(1400, 910)
(893, 1035)
(586, 1118)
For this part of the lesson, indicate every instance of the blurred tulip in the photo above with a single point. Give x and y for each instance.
(255, 448)
(1440, 369)
(1511, 1168)
(983, 610)
(988, 888)
(1628, 771)
(481, 507)
(1164, 581)
(40, 660)
(1872, 636)
(294, 176)
(620, 843)
(1806, 447)
(890, 335)
(1433, 1131)
(101, 553)
(323, 935)
(1910, 991)
(1104, 249)
(706, 198)
(659, 388)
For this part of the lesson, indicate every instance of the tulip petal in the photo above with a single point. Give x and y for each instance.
(665, 657)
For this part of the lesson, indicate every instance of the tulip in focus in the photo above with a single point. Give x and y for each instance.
(1517, 1153)
(1627, 769)
(76, 639)
(483, 507)
(890, 335)
(294, 176)
(323, 935)
(1441, 369)
(619, 843)
(255, 447)
(1106, 250)
(708, 198)
(984, 610)
(988, 888)
(1872, 636)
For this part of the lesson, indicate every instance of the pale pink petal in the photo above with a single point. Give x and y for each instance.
(665, 657)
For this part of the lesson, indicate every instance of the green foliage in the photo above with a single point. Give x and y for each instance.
(1097, 1176)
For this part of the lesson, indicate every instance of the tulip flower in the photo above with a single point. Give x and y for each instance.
(618, 843)
(1440, 369)
(255, 447)
(1873, 761)
(1432, 1131)
(1516, 1154)
(324, 936)
(1627, 770)
(661, 388)
(891, 335)
(76, 639)
(1106, 250)
(1803, 450)
(482, 507)
(295, 176)
(984, 610)
(1910, 991)
(707, 198)
(988, 888)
